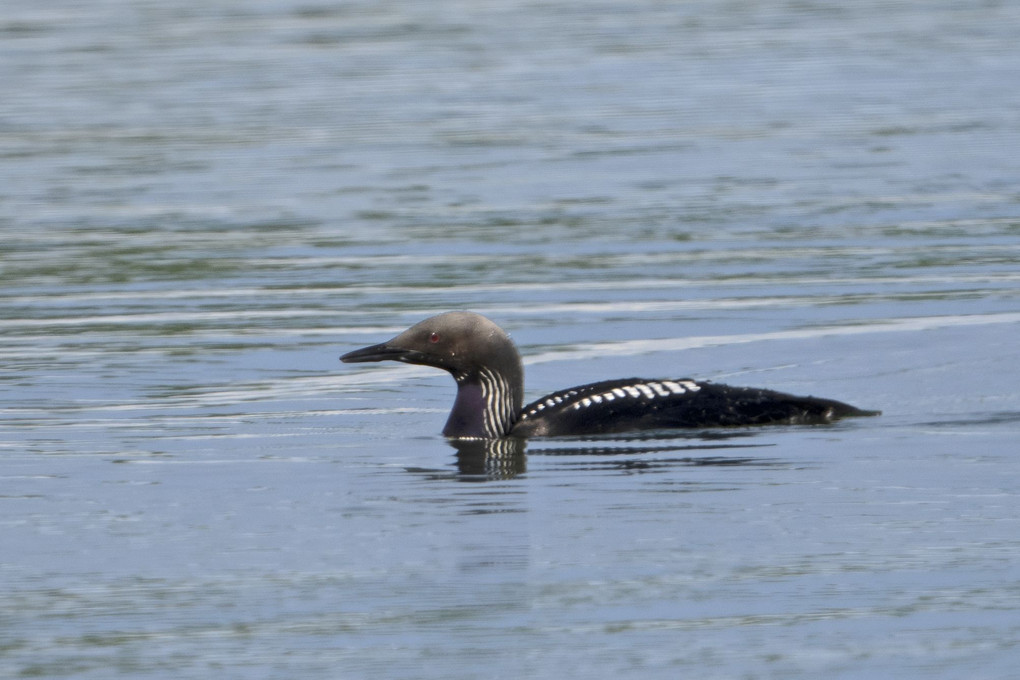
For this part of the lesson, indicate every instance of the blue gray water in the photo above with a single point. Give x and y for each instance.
(202, 205)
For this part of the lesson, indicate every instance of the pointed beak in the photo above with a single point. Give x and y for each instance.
(380, 352)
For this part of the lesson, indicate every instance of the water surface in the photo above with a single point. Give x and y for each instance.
(202, 207)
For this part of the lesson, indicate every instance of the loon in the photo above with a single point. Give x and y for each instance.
(486, 365)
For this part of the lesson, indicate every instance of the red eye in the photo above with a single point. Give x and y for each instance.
(434, 337)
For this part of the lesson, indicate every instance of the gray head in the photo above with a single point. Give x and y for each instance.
(459, 342)
(477, 353)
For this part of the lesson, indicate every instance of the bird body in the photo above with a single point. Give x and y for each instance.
(487, 368)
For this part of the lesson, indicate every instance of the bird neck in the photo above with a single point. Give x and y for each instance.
(487, 405)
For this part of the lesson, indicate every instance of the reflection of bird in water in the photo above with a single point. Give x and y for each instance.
(496, 459)
(490, 459)
(490, 387)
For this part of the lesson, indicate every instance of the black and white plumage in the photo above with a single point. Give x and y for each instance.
(484, 362)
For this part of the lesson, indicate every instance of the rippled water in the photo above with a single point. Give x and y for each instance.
(202, 206)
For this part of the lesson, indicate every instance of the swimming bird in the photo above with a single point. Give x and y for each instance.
(487, 368)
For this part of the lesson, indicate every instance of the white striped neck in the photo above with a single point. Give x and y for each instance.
(487, 405)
